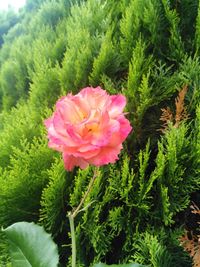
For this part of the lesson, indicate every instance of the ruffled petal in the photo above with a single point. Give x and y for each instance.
(70, 162)
(94, 97)
(106, 155)
(69, 111)
(116, 106)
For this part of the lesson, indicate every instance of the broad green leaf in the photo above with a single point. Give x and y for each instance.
(119, 265)
(31, 246)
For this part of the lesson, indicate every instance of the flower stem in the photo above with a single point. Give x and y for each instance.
(77, 209)
(73, 238)
(73, 214)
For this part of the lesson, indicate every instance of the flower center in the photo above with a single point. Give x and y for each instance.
(92, 127)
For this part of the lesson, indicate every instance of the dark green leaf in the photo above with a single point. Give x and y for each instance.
(31, 246)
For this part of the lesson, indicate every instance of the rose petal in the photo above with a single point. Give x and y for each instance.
(69, 111)
(116, 107)
(94, 97)
(106, 155)
(103, 136)
(70, 162)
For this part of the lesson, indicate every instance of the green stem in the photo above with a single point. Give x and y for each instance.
(77, 209)
(73, 238)
(73, 214)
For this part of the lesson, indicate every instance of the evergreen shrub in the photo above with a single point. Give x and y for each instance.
(147, 50)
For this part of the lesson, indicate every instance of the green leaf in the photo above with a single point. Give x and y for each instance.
(119, 265)
(31, 246)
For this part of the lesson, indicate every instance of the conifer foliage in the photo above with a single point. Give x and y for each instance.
(147, 50)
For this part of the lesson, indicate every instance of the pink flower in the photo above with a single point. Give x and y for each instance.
(88, 128)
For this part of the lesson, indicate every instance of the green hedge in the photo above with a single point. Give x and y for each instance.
(147, 50)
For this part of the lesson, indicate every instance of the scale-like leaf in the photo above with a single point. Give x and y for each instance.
(31, 246)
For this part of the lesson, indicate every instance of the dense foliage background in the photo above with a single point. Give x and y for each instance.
(149, 51)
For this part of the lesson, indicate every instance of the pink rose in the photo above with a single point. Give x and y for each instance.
(88, 128)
